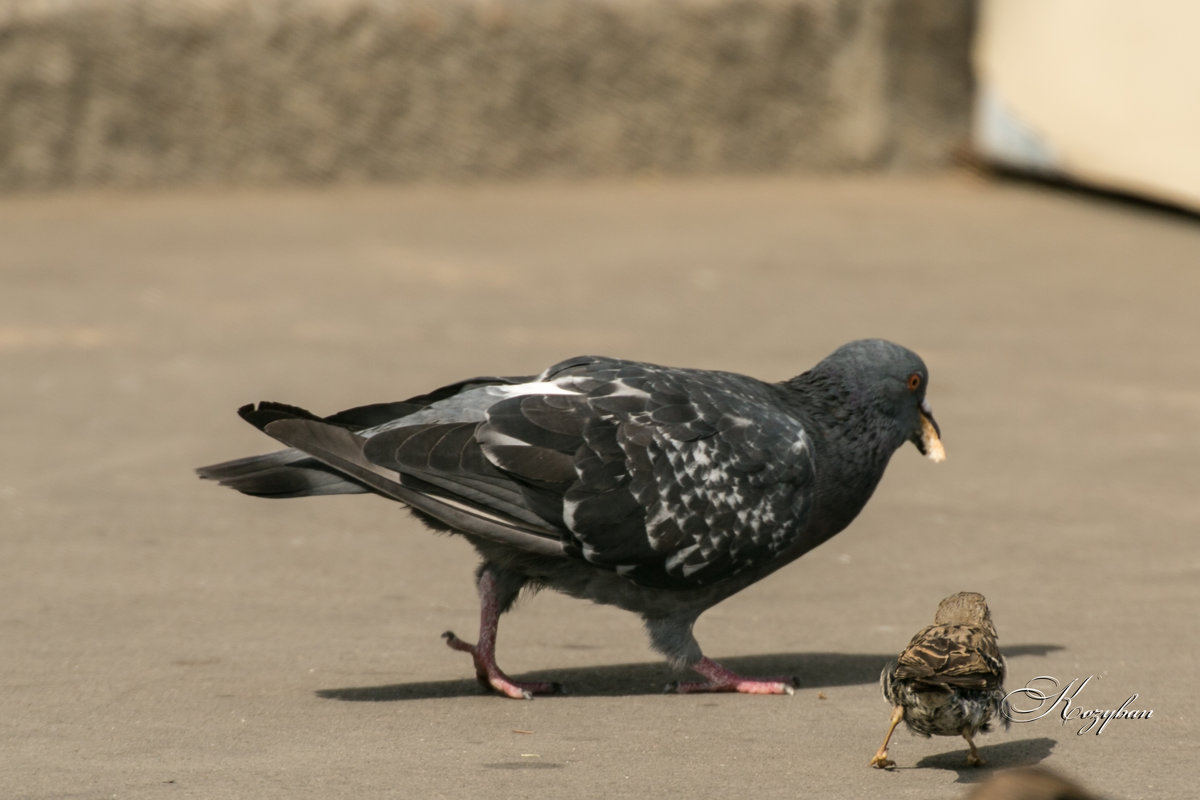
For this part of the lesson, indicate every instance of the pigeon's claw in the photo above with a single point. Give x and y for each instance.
(490, 676)
(721, 679)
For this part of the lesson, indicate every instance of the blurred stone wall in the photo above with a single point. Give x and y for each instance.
(153, 92)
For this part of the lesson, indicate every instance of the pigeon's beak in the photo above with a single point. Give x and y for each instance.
(928, 437)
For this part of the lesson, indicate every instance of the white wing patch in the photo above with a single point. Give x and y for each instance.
(625, 390)
(569, 508)
(493, 439)
(469, 406)
(676, 559)
(534, 387)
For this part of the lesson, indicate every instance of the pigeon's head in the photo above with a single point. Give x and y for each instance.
(894, 379)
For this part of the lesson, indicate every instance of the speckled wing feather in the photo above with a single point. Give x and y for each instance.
(685, 476)
(952, 657)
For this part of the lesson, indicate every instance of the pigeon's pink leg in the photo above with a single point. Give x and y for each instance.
(487, 672)
(721, 679)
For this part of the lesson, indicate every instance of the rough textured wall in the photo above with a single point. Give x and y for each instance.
(143, 92)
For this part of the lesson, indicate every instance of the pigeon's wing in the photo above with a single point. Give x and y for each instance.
(953, 656)
(674, 478)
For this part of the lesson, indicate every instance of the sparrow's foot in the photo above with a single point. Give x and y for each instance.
(881, 761)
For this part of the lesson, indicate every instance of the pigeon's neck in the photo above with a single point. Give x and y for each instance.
(853, 442)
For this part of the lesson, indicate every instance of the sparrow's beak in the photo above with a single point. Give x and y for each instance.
(928, 437)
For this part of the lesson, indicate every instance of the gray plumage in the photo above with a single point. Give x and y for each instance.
(658, 490)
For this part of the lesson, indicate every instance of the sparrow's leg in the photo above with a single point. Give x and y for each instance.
(973, 757)
(881, 761)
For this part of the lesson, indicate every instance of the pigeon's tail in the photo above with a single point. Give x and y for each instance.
(283, 474)
(292, 472)
(326, 456)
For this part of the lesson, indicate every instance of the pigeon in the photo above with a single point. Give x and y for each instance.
(658, 490)
(949, 680)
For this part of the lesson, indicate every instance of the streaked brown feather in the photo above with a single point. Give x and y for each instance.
(953, 656)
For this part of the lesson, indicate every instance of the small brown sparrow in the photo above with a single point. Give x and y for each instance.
(949, 680)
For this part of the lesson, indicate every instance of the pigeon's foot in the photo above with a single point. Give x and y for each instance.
(721, 679)
(497, 590)
(490, 676)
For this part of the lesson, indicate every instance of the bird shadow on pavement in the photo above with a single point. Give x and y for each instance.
(1004, 755)
(812, 671)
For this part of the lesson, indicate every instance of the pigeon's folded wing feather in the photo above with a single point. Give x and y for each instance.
(448, 457)
(343, 450)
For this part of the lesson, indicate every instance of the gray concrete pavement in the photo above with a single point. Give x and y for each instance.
(163, 638)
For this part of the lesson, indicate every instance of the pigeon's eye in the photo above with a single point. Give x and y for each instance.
(914, 382)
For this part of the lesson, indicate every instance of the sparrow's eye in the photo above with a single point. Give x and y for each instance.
(914, 382)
